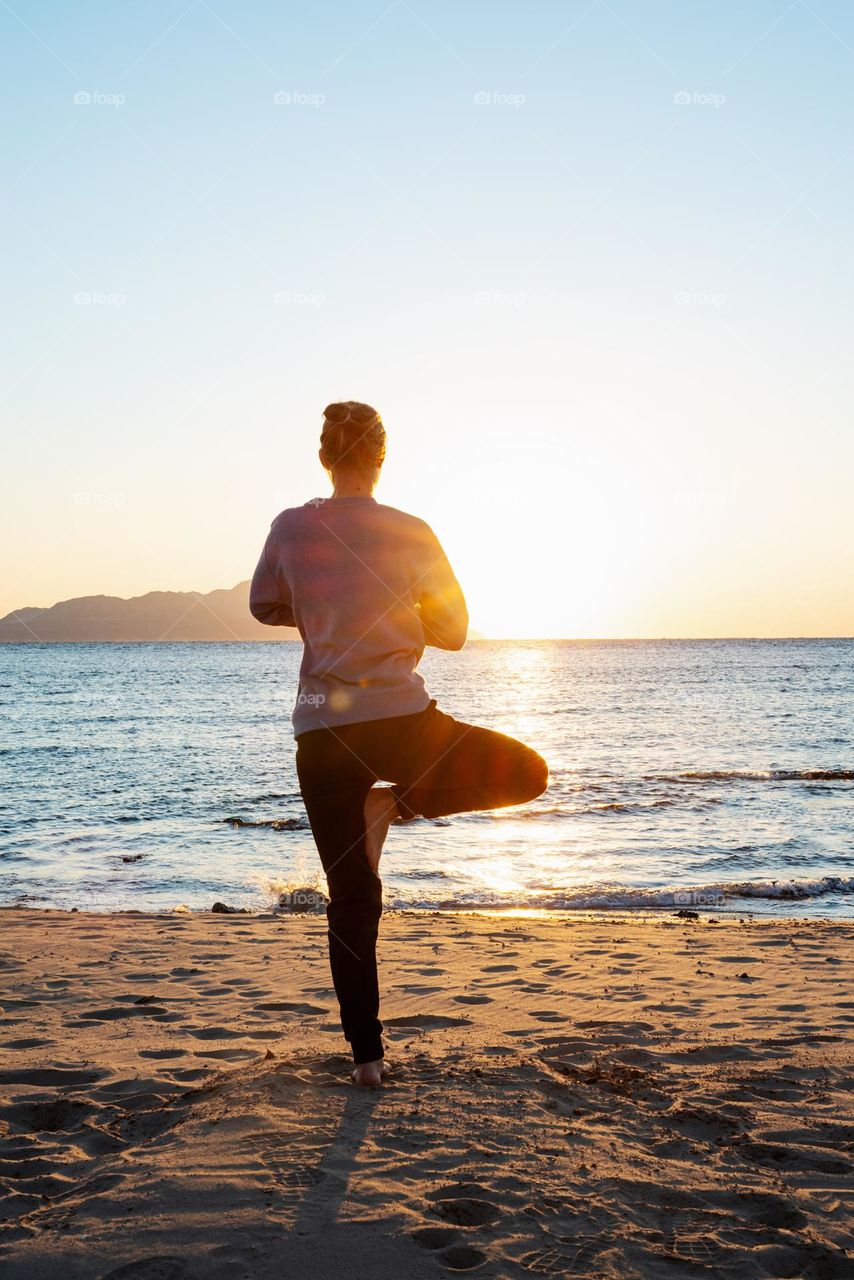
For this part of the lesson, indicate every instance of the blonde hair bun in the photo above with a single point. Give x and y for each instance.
(353, 435)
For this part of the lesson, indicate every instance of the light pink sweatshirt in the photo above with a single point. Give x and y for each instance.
(368, 587)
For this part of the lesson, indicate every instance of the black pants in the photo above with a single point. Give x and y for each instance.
(438, 766)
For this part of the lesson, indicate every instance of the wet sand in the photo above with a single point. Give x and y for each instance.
(603, 1096)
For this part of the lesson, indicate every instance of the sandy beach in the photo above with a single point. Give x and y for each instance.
(602, 1096)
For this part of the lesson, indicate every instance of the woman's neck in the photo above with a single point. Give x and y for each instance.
(353, 484)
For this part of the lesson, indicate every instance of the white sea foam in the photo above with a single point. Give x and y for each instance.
(761, 775)
(621, 897)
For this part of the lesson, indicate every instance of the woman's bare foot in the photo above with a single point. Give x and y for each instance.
(380, 812)
(369, 1074)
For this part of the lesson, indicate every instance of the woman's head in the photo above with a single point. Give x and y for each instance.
(353, 438)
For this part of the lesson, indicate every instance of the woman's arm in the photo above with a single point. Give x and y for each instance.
(441, 603)
(269, 596)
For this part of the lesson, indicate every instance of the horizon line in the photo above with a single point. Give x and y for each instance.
(484, 639)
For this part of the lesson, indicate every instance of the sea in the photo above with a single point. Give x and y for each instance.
(685, 775)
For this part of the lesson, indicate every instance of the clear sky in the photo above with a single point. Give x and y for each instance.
(592, 261)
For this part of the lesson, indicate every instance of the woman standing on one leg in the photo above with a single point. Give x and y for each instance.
(368, 587)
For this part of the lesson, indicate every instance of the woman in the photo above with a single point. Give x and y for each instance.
(368, 587)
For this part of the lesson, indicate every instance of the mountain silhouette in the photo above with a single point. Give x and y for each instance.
(158, 615)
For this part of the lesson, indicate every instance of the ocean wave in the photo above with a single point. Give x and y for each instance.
(758, 775)
(631, 806)
(270, 795)
(271, 824)
(522, 815)
(575, 810)
(622, 897)
(422, 875)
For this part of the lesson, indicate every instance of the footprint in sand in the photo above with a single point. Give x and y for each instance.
(499, 968)
(294, 1166)
(48, 1117)
(462, 1204)
(212, 1033)
(50, 1077)
(127, 1011)
(228, 1055)
(465, 1204)
(467, 1212)
(427, 1020)
(462, 1257)
(435, 1237)
(809, 1038)
(473, 999)
(553, 1262)
(188, 1075)
(290, 1006)
(709, 1055)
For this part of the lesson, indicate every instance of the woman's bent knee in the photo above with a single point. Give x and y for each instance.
(537, 776)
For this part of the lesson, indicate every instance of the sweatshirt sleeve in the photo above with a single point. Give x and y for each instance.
(269, 595)
(441, 603)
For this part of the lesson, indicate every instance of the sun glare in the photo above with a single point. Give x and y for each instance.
(563, 550)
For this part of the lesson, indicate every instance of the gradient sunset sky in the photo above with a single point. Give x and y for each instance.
(592, 261)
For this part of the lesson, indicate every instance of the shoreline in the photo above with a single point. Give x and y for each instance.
(603, 1095)
(772, 910)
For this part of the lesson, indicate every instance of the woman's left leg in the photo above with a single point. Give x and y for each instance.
(453, 767)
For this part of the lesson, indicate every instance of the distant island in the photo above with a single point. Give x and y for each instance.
(158, 615)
